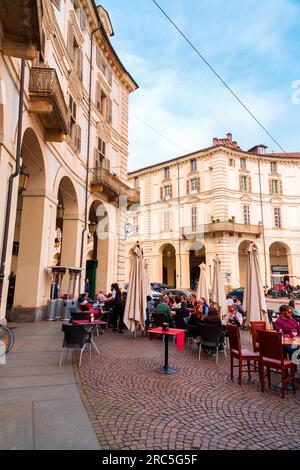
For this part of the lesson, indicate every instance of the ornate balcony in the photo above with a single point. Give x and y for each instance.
(218, 229)
(103, 181)
(20, 25)
(134, 196)
(47, 101)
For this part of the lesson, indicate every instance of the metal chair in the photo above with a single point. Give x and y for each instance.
(76, 337)
(212, 337)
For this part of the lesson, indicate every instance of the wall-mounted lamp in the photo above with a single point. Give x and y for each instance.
(92, 228)
(23, 180)
(60, 211)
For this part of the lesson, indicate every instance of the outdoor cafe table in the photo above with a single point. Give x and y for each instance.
(93, 324)
(180, 345)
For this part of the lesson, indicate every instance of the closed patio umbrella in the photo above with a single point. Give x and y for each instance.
(202, 290)
(147, 281)
(254, 301)
(135, 310)
(218, 290)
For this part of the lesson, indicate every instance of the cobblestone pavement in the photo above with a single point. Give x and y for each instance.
(131, 406)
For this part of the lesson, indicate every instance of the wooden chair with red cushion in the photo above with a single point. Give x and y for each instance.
(256, 325)
(271, 356)
(242, 355)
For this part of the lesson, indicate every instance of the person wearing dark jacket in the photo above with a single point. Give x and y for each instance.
(119, 308)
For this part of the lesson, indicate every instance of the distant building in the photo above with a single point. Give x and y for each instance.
(208, 202)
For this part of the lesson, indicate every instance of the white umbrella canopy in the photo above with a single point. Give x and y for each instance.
(202, 290)
(135, 309)
(218, 295)
(254, 301)
(147, 280)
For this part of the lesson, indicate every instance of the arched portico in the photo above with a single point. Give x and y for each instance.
(243, 256)
(32, 235)
(280, 262)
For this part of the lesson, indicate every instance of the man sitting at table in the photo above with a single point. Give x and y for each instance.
(85, 303)
(183, 311)
(164, 308)
(287, 325)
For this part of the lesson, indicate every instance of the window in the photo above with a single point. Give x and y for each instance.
(82, 19)
(109, 76)
(75, 52)
(231, 162)
(273, 167)
(243, 164)
(103, 66)
(193, 185)
(166, 173)
(135, 225)
(100, 153)
(277, 217)
(245, 183)
(167, 192)
(246, 210)
(194, 165)
(274, 187)
(74, 129)
(166, 227)
(136, 182)
(194, 218)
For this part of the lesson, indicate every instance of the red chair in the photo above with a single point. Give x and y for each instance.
(257, 325)
(271, 356)
(242, 355)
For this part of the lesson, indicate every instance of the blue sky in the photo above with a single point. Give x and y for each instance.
(254, 45)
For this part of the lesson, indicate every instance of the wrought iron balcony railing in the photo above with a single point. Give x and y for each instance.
(47, 101)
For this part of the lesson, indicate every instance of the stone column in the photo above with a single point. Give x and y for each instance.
(33, 280)
(71, 246)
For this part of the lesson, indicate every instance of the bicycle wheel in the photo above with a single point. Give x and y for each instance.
(7, 337)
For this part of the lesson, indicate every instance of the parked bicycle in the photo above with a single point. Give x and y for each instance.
(7, 338)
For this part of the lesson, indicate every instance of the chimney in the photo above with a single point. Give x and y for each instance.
(229, 136)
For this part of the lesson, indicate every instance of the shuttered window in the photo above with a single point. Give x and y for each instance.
(109, 111)
(246, 211)
(194, 165)
(243, 164)
(245, 183)
(78, 138)
(166, 192)
(70, 40)
(194, 218)
(166, 173)
(273, 167)
(82, 19)
(277, 217)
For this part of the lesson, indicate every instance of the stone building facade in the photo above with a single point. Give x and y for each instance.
(216, 201)
(74, 149)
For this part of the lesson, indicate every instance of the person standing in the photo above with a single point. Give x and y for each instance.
(118, 306)
(87, 286)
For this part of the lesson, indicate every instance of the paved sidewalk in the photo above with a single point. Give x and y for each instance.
(133, 407)
(40, 407)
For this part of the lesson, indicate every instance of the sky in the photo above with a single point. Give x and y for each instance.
(253, 44)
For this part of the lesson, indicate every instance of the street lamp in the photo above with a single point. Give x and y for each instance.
(23, 179)
(92, 228)
(60, 210)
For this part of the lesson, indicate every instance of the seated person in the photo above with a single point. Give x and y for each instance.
(101, 297)
(195, 318)
(295, 312)
(164, 308)
(192, 301)
(149, 310)
(182, 312)
(213, 318)
(177, 303)
(234, 317)
(239, 306)
(205, 306)
(287, 326)
(85, 302)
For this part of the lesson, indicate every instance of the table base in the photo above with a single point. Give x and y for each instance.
(166, 371)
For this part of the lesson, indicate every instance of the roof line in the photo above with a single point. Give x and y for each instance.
(269, 155)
